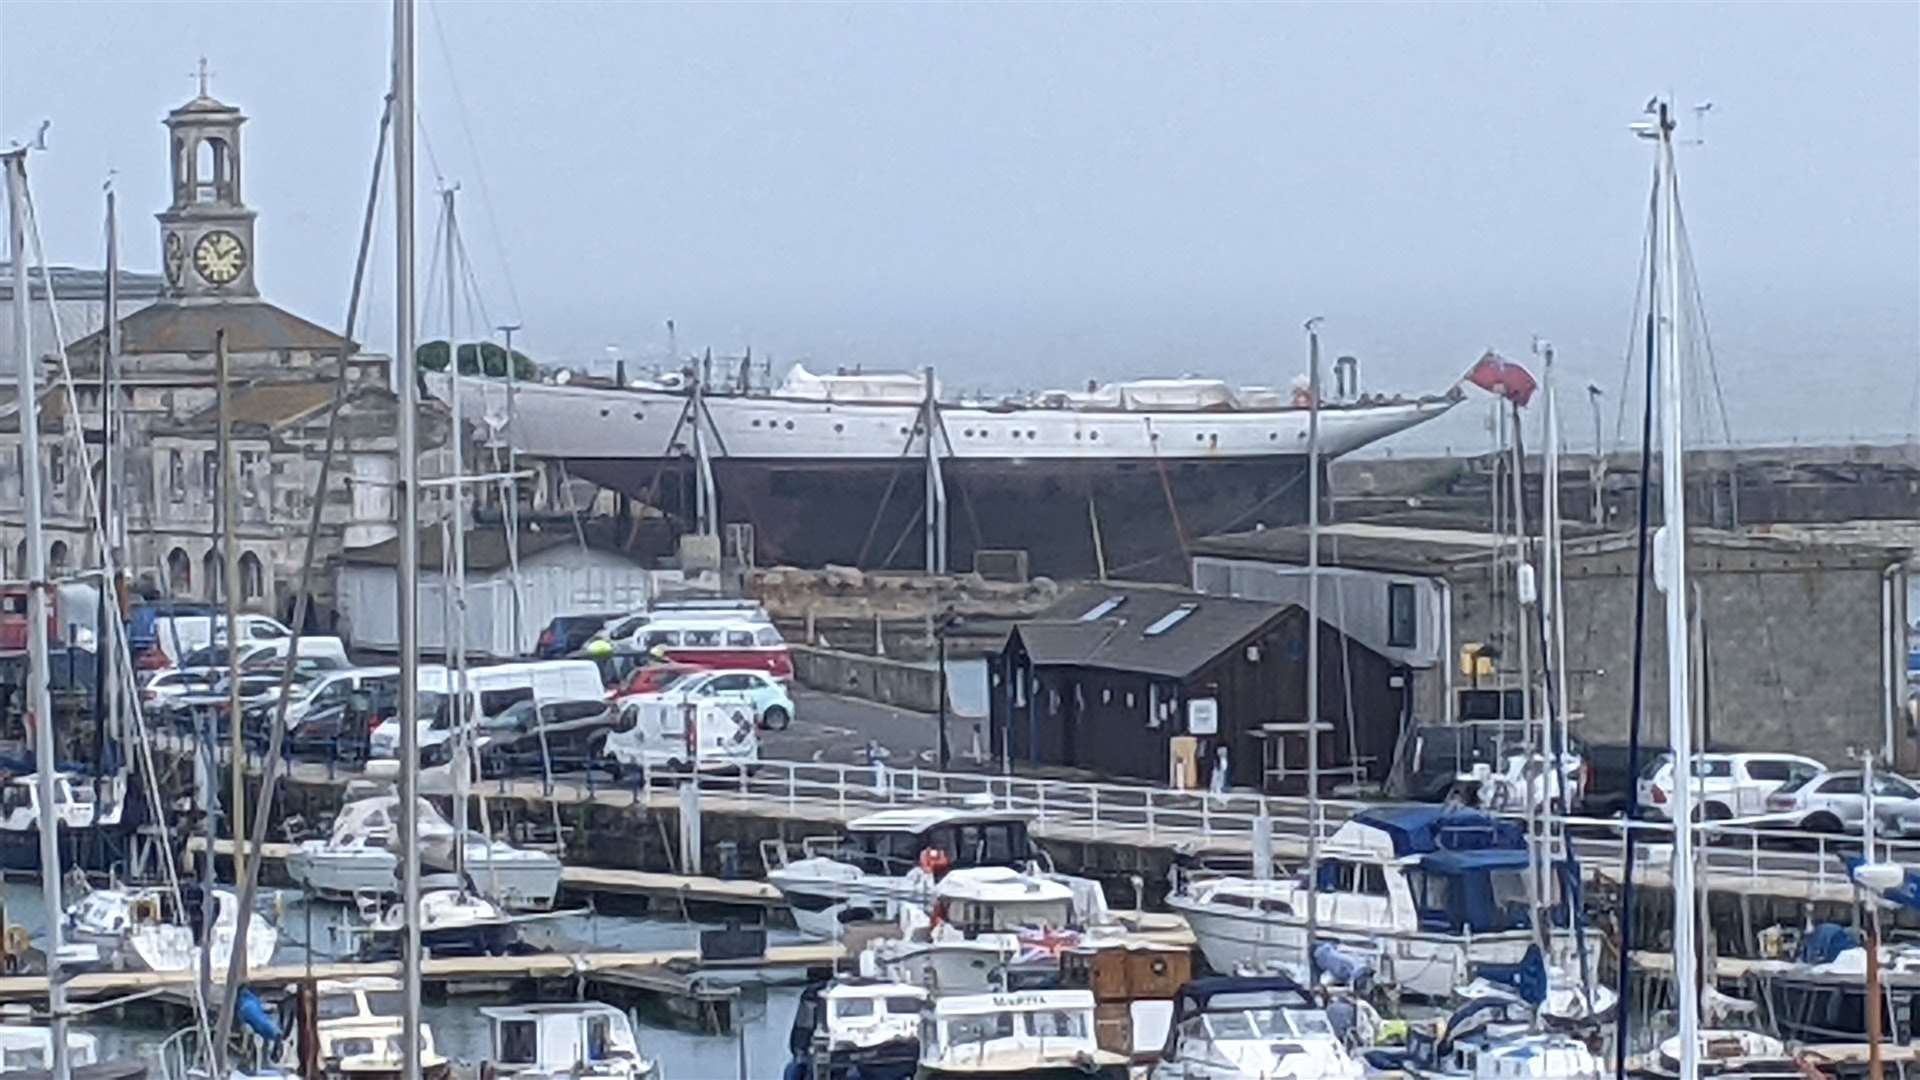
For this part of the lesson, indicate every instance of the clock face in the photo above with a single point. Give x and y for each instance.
(176, 258)
(220, 257)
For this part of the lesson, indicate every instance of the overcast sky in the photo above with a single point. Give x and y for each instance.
(1029, 196)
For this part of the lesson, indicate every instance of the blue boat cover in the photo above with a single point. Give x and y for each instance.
(1417, 830)
(249, 1011)
(1825, 942)
(1528, 977)
(1906, 894)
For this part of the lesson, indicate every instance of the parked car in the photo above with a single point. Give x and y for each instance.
(766, 697)
(529, 739)
(655, 678)
(1725, 785)
(567, 633)
(1835, 802)
(1436, 757)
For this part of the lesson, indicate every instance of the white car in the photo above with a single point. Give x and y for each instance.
(1724, 785)
(1833, 802)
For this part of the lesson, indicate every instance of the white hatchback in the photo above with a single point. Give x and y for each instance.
(1724, 785)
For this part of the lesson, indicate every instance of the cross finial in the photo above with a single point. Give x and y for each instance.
(202, 74)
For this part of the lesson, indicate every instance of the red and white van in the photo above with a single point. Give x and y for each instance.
(733, 636)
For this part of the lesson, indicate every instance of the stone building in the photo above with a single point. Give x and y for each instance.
(285, 374)
(1798, 641)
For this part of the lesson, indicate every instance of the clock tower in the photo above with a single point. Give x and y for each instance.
(206, 236)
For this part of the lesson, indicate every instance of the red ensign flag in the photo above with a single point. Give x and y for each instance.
(1498, 375)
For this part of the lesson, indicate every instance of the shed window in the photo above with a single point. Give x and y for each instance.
(1403, 627)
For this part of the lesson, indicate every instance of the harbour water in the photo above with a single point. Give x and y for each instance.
(460, 1031)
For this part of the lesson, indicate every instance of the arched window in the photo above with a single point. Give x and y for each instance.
(253, 584)
(213, 572)
(211, 165)
(57, 559)
(179, 572)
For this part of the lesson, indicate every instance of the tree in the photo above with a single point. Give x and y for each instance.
(476, 358)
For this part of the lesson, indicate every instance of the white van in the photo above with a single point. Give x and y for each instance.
(491, 689)
(709, 736)
(178, 635)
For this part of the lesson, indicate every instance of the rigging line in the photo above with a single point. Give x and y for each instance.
(1700, 313)
(479, 160)
(475, 299)
(1633, 327)
(98, 529)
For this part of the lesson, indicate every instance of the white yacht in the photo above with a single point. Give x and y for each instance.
(978, 928)
(1497, 1038)
(1240, 1028)
(359, 1032)
(891, 858)
(856, 1027)
(454, 921)
(520, 879)
(1032, 1035)
(1422, 893)
(141, 928)
(575, 1041)
(356, 858)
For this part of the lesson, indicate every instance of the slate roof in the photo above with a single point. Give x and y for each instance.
(252, 326)
(1117, 638)
(270, 404)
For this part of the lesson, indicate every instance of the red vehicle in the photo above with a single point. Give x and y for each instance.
(713, 640)
(654, 678)
(13, 619)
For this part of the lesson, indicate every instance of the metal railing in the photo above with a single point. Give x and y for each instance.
(1735, 854)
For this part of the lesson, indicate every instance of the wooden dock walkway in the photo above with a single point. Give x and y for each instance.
(597, 879)
(93, 986)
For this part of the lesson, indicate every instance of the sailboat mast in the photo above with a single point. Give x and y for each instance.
(106, 688)
(1313, 639)
(1671, 551)
(39, 700)
(457, 626)
(407, 606)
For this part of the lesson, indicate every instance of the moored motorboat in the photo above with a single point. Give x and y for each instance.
(584, 1040)
(1251, 1028)
(454, 921)
(856, 1029)
(143, 929)
(1031, 1035)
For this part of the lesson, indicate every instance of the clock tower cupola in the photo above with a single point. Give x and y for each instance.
(206, 236)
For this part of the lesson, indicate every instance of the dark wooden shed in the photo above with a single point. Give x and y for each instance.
(1106, 679)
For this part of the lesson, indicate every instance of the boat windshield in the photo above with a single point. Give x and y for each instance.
(1267, 1024)
(1057, 1024)
(963, 1030)
(383, 1003)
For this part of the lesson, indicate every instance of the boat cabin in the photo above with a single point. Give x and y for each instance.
(359, 1029)
(1265, 1026)
(20, 802)
(29, 1048)
(856, 1018)
(1000, 900)
(891, 842)
(1031, 1033)
(582, 1039)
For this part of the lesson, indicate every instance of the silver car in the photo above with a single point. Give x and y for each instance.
(1834, 802)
